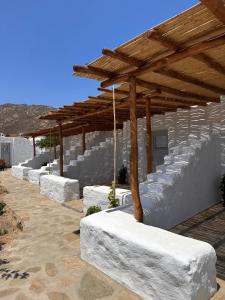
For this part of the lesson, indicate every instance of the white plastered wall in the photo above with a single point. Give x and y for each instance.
(21, 149)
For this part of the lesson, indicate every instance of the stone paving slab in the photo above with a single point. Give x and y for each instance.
(43, 262)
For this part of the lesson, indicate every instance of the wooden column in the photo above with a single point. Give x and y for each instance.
(60, 150)
(34, 146)
(149, 155)
(54, 147)
(83, 141)
(138, 211)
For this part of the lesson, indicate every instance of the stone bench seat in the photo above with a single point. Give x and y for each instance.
(98, 195)
(59, 188)
(154, 263)
(35, 175)
(20, 172)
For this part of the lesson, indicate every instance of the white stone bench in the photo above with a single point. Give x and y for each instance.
(20, 172)
(35, 175)
(154, 263)
(98, 195)
(59, 188)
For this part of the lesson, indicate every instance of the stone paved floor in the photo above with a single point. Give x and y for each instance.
(43, 261)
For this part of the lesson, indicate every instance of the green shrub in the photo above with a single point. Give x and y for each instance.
(93, 209)
(114, 202)
(2, 206)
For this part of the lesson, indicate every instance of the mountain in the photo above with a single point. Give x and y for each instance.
(19, 118)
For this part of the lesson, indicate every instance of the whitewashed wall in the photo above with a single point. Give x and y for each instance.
(21, 149)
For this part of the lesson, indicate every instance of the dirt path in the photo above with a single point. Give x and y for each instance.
(43, 261)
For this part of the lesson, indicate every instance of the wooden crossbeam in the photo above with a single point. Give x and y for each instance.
(123, 57)
(173, 58)
(92, 70)
(155, 35)
(180, 101)
(186, 78)
(217, 8)
(149, 85)
(210, 62)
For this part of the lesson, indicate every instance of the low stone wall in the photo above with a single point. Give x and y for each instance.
(35, 175)
(98, 195)
(58, 188)
(20, 172)
(152, 262)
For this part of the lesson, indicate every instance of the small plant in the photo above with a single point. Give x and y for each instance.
(93, 209)
(47, 142)
(222, 188)
(122, 175)
(2, 206)
(114, 202)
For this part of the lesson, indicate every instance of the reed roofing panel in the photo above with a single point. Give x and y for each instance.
(182, 28)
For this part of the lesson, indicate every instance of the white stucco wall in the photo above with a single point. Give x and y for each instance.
(21, 149)
(98, 195)
(154, 263)
(59, 188)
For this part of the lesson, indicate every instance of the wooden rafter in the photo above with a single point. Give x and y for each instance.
(176, 92)
(186, 78)
(217, 8)
(210, 63)
(123, 57)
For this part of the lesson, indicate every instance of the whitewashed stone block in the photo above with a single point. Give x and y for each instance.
(152, 262)
(59, 188)
(98, 195)
(20, 172)
(35, 175)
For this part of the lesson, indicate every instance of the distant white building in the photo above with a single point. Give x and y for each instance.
(14, 150)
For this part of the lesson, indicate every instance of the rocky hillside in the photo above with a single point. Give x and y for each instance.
(19, 118)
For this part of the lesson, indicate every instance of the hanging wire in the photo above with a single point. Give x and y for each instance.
(114, 144)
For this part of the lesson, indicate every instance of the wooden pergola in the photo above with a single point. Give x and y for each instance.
(181, 61)
(177, 64)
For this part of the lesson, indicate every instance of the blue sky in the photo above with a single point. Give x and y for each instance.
(41, 40)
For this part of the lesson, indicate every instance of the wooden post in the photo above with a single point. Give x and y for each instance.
(83, 141)
(148, 136)
(138, 211)
(34, 146)
(54, 147)
(60, 150)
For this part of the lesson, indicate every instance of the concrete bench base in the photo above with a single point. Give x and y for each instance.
(59, 188)
(98, 195)
(35, 175)
(20, 172)
(154, 263)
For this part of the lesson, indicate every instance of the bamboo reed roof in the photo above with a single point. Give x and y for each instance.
(177, 64)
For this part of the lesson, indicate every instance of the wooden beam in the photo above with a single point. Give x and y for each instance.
(123, 57)
(61, 150)
(92, 70)
(210, 63)
(54, 150)
(173, 58)
(155, 35)
(34, 146)
(83, 141)
(186, 78)
(138, 211)
(169, 90)
(149, 155)
(180, 101)
(217, 8)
